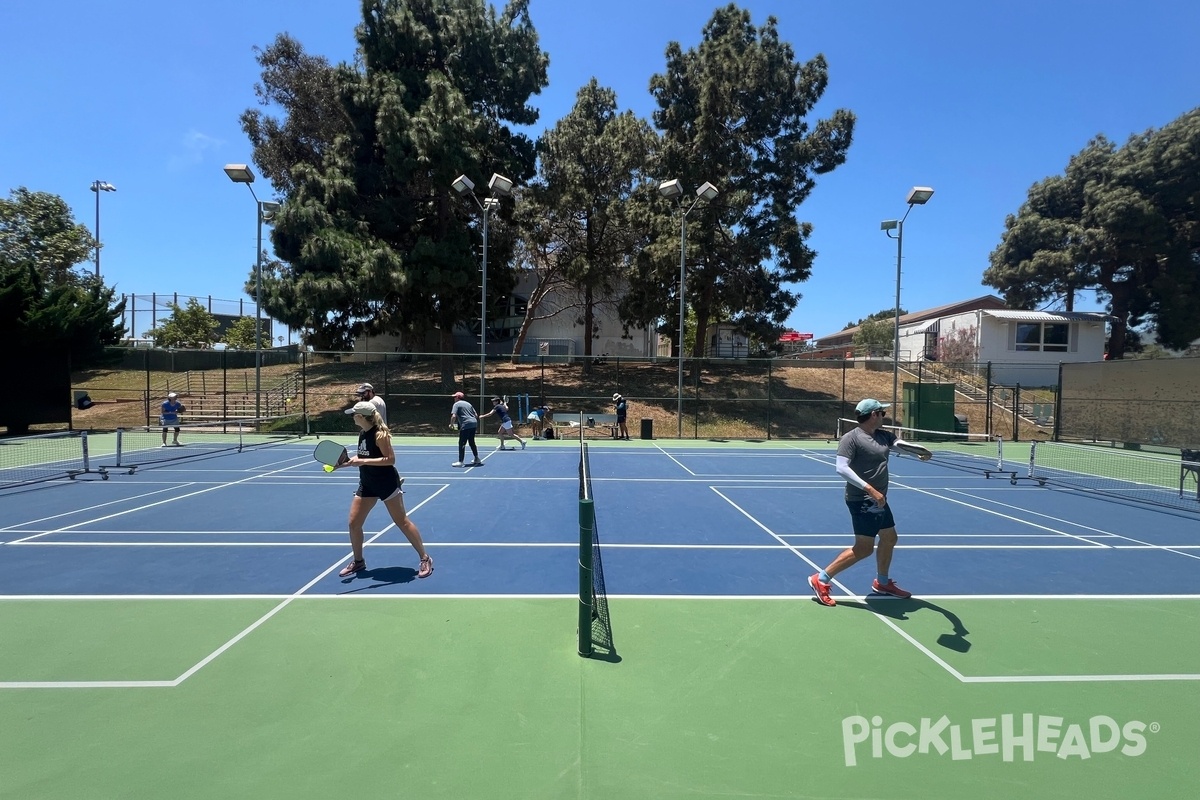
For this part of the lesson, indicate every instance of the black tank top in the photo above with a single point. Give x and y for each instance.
(368, 447)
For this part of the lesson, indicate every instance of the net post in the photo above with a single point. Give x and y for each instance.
(120, 441)
(587, 521)
(83, 447)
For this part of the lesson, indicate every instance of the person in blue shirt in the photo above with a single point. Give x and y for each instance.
(622, 410)
(169, 417)
(506, 429)
(536, 420)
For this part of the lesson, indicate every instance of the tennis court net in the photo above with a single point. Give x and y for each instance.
(595, 626)
(138, 447)
(972, 452)
(42, 457)
(1159, 479)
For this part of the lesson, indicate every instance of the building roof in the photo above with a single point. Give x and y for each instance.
(1048, 316)
(986, 302)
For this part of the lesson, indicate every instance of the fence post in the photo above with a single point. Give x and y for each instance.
(1017, 413)
(769, 360)
(146, 359)
(1058, 394)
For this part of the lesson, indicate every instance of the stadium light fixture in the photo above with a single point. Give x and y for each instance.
(499, 186)
(673, 189)
(266, 211)
(917, 196)
(98, 187)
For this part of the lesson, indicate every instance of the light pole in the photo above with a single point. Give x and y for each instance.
(98, 187)
(500, 187)
(917, 196)
(266, 211)
(671, 189)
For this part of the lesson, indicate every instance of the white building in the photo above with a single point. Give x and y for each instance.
(1021, 346)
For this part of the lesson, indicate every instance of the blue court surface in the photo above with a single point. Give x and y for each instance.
(686, 520)
(1023, 591)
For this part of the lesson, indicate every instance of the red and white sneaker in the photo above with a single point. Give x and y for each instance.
(351, 568)
(426, 568)
(889, 588)
(821, 590)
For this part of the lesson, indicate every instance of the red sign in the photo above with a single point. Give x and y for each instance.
(792, 336)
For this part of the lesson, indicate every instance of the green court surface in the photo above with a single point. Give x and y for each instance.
(485, 698)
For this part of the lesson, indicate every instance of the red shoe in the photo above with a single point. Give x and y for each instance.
(821, 590)
(351, 568)
(889, 588)
(426, 567)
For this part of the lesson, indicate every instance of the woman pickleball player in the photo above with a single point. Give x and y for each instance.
(862, 460)
(377, 480)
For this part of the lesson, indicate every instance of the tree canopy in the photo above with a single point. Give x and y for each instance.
(734, 112)
(1119, 220)
(373, 237)
(190, 326)
(44, 299)
(590, 165)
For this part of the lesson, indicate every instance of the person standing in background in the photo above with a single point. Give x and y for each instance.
(366, 392)
(622, 409)
(464, 418)
(171, 409)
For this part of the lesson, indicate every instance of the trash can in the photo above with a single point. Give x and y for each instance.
(961, 424)
(647, 428)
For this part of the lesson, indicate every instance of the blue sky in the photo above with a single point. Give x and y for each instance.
(977, 100)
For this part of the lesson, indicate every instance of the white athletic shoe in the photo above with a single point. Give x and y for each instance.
(522, 444)
(457, 464)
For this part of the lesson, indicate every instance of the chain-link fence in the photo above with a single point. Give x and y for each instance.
(713, 398)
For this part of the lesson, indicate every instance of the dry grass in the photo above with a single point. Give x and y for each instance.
(736, 400)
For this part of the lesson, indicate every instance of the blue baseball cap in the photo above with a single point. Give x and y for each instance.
(868, 406)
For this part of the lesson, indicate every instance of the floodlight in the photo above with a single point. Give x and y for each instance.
(500, 185)
(239, 173)
(671, 188)
(919, 195)
(462, 184)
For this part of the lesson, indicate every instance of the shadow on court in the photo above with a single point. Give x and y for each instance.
(383, 576)
(900, 609)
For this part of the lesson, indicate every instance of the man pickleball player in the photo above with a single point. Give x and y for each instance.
(169, 417)
(862, 459)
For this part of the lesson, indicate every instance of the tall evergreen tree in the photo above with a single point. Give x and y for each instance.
(590, 165)
(374, 238)
(45, 299)
(1119, 220)
(734, 112)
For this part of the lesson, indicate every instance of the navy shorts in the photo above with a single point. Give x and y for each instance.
(869, 519)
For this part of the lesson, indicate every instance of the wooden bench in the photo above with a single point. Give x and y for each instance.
(571, 423)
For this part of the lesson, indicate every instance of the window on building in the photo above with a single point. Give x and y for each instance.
(1043, 336)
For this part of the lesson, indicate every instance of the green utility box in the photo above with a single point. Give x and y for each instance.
(929, 407)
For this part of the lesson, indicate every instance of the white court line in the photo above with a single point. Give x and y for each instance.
(19, 528)
(211, 656)
(609, 546)
(1072, 523)
(1004, 516)
(942, 663)
(151, 505)
(676, 460)
(574, 596)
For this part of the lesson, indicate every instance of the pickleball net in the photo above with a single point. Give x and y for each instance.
(144, 446)
(595, 626)
(42, 457)
(1159, 479)
(972, 452)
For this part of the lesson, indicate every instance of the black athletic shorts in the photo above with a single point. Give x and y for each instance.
(868, 518)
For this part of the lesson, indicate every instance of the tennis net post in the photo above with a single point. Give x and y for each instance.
(587, 524)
